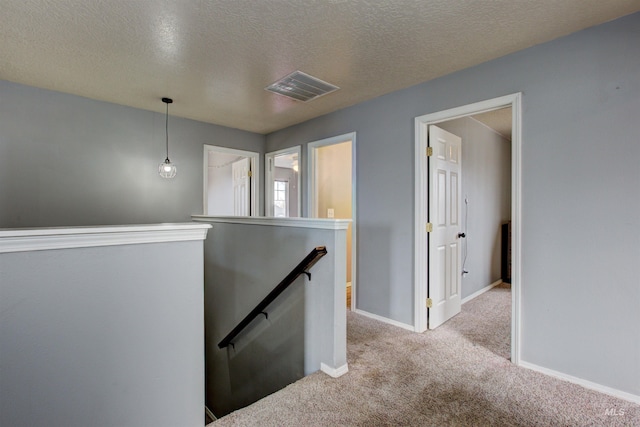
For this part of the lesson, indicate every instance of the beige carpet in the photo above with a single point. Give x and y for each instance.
(457, 375)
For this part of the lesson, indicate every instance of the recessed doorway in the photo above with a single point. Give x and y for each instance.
(282, 183)
(231, 182)
(423, 186)
(332, 192)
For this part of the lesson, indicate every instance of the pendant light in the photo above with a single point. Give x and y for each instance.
(166, 168)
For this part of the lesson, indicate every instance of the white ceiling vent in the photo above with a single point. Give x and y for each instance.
(301, 87)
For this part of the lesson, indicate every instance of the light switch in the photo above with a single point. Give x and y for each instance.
(330, 213)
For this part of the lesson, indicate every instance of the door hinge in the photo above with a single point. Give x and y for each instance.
(429, 303)
(250, 174)
(429, 151)
(429, 227)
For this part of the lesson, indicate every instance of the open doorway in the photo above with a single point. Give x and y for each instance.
(282, 187)
(488, 206)
(486, 198)
(485, 218)
(332, 193)
(231, 180)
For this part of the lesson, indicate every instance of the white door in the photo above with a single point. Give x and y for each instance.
(241, 173)
(444, 215)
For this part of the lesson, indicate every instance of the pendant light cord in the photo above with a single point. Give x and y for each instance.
(166, 125)
(166, 131)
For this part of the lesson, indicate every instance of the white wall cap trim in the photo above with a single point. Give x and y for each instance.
(39, 239)
(322, 223)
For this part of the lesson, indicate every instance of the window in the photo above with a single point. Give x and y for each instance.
(284, 166)
(281, 198)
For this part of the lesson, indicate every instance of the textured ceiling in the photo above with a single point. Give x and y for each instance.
(215, 57)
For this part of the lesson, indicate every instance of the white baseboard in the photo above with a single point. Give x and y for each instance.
(385, 320)
(334, 372)
(209, 413)
(481, 291)
(587, 384)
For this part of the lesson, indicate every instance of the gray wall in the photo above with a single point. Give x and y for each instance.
(486, 184)
(105, 336)
(306, 325)
(68, 160)
(580, 240)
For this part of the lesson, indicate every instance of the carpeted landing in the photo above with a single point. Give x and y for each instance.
(456, 375)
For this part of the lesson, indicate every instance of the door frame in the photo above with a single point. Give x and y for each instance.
(312, 196)
(254, 159)
(270, 177)
(421, 186)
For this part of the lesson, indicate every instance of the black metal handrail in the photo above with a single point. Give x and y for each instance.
(302, 268)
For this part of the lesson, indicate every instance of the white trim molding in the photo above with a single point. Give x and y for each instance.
(481, 291)
(334, 372)
(325, 224)
(421, 186)
(39, 239)
(385, 320)
(584, 383)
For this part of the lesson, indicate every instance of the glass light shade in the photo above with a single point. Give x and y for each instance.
(167, 169)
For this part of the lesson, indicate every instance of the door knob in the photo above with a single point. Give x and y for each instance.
(461, 235)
